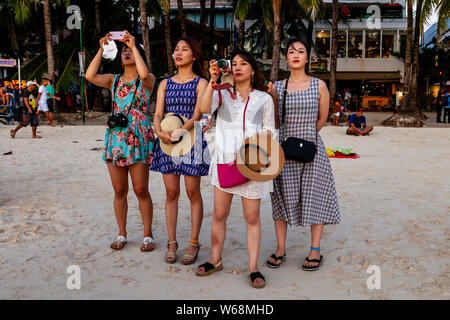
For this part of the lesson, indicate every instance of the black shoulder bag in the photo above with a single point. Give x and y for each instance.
(119, 119)
(295, 148)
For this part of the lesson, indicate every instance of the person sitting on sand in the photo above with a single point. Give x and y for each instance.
(358, 125)
(336, 113)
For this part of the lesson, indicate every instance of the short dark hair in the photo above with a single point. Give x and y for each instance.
(258, 80)
(305, 43)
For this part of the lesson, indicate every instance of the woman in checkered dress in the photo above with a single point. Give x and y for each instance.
(304, 193)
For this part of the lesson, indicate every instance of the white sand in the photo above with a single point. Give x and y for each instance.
(56, 210)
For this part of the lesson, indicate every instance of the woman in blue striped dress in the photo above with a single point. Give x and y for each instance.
(179, 94)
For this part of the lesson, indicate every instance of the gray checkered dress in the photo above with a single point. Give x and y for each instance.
(304, 194)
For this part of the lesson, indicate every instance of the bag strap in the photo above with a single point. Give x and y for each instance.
(138, 82)
(284, 104)
(114, 88)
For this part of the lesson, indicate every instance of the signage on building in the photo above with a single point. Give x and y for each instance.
(8, 63)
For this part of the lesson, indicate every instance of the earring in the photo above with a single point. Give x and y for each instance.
(253, 78)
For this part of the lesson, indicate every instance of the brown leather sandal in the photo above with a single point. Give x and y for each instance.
(189, 258)
(119, 243)
(171, 257)
(148, 244)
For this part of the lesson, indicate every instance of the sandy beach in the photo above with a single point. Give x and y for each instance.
(56, 210)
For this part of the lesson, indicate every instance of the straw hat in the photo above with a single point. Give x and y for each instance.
(173, 121)
(260, 158)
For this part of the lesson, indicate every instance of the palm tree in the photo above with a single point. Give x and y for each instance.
(414, 103)
(314, 10)
(145, 33)
(97, 17)
(241, 12)
(165, 5)
(405, 116)
(22, 12)
(276, 7)
(181, 16)
(203, 14)
(211, 26)
(333, 62)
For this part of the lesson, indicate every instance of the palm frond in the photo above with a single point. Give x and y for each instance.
(242, 8)
(69, 75)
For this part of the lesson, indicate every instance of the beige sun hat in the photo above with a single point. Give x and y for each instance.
(260, 158)
(173, 121)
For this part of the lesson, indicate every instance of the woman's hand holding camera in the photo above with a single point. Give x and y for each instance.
(214, 70)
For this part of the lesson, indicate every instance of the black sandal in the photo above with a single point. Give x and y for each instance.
(312, 268)
(274, 265)
(209, 268)
(255, 275)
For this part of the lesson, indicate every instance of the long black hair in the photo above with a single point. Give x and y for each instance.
(258, 78)
(305, 43)
(199, 63)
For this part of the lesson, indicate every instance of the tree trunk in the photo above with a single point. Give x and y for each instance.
(414, 104)
(407, 78)
(309, 35)
(145, 33)
(181, 16)
(241, 34)
(333, 62)
(167, 36)
(203, 15)
(211, 27)
(97, 17)
(276, 6)
(48, 41)
(406, 116)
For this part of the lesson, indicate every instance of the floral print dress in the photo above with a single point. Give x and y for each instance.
(134, 143)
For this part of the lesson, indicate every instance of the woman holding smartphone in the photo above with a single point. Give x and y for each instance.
(180, 95)
(244, 111)
(128, 149)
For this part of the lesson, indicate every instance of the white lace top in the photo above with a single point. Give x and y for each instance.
(230, 135)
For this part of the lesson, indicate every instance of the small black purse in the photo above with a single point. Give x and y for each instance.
(119, 119)
(295, 148)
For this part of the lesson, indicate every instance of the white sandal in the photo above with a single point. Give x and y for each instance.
(147, 244)
(119, 243)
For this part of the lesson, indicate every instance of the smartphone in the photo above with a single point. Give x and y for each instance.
(117, 35)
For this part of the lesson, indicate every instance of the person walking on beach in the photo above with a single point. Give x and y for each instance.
(248, 110)
(129, 143)
(43, 99)
(50, 99)
(29, 112)
(304, 194)
(180, 95)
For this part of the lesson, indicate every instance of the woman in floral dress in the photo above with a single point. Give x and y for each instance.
(128, 149)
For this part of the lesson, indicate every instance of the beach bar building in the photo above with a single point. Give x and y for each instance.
(369, 36)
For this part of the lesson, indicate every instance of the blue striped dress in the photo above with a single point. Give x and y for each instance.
(181, 99)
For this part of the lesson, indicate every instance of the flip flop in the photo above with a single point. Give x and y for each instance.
(313, 268)
(274, 265)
